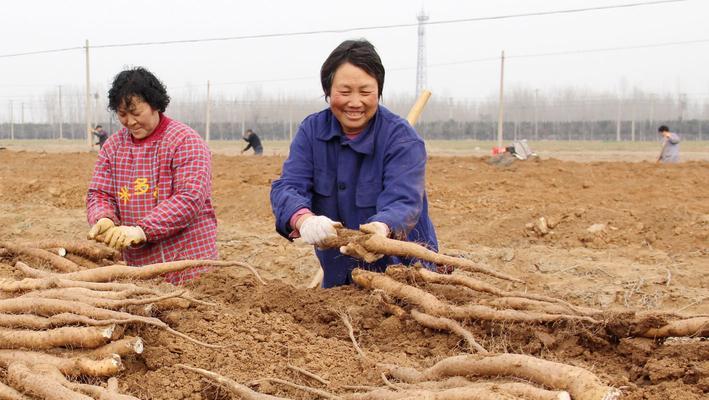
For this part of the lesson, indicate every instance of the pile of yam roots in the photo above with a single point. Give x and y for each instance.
(63, 325)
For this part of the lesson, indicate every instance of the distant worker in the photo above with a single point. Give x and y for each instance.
(101, 135)
(254, 142)
(151, 191)
(670, 146)
(355, 164)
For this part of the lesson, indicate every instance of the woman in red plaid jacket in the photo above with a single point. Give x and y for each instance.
(151, 192)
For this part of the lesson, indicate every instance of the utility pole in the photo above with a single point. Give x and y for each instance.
(12, 123)
(61, 115)
(22, 119)
(652, 113)
(243, 118)
(290, 121)
(682, 105)
(632, 117)
(500, 116)
(207, 119)
(617, 123)
(96, 120)
(699, 120)
(422, 17)
(87, 105)
(536, 118)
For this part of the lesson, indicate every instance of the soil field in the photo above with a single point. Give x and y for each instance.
(609, 235)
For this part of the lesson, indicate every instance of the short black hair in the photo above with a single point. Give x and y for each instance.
(663, 128)
(359, 53)
(99, 126)
(137, 82)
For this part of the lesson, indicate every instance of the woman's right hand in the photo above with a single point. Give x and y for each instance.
(100, 227)
(315, 229)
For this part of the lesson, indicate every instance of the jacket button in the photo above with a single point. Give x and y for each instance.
(341, 186)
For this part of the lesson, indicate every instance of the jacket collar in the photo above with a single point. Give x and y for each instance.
(157, 132)
(363, 143)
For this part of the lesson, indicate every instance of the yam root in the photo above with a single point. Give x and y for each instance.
(112, 384)
(85, 248)
(8, 393)
(123, 347)
(308, 374)
(580, 383)
(107, 302)
(378, 244)
(46, 307)
(698, 326)
(70, 336)
(61, 263)
(318, 392)
(447, 324)
(430, 304)
(68, 293)
(117, 271)
(47, 281)
(519, 389)
(96, 392)
(82, 262)
(459, 393)
(241, 390)
(74, 366)
(39, 385)
(29, 321)
(480, 286)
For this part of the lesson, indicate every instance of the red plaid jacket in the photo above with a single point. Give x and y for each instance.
(163, 184)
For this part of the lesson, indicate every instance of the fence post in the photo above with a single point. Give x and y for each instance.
(500, 115)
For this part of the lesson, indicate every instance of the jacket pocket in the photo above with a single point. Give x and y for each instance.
(324, 183)
(367, 194)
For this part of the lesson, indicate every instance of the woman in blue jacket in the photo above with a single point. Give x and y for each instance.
(356, 164)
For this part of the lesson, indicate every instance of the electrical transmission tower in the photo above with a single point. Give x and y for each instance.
(421, 56)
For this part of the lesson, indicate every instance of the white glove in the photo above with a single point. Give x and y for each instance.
(375, 228)
(123, 236)
(100, 227)
(314, 230)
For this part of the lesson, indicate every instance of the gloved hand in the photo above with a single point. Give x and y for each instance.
(100, 227)
(316, 228)
(120, 237)
(357, 251)
(376, 228)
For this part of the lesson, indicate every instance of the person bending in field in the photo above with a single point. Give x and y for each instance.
(253, 142)
(150, 193)
(669, 154)
(355, 163)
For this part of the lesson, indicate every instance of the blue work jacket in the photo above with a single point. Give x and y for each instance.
(377, 176)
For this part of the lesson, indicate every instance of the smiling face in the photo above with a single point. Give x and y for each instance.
(354, 98)
(139, 117)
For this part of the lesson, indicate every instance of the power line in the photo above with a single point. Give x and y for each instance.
(644, 46)
(391, 26)
(354, 29)
(561, 53)
(27, 53)
(443, 64)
